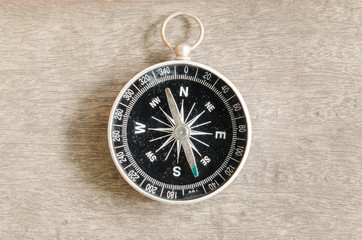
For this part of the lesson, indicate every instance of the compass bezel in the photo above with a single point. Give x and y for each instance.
(197, 65)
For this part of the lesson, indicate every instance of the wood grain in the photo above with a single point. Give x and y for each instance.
(298, 65)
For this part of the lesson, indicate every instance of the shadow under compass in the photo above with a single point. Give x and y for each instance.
(88, 145)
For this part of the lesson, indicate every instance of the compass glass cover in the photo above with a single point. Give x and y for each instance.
(148, 140)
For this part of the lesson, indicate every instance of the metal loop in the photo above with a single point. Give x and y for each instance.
(163, 35)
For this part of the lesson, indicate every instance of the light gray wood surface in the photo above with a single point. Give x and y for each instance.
(298, 65)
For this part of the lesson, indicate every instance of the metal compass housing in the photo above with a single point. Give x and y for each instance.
(179, 131)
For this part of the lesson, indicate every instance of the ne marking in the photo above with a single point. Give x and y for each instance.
(174, 69)
(119, 147)
(117, 125)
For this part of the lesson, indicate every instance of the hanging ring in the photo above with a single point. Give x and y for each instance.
(163, 35)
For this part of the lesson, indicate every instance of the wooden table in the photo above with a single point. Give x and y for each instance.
(297, 64)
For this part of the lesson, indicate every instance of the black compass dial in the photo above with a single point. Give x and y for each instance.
(178, 132)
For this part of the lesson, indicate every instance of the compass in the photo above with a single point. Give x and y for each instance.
(179, 131)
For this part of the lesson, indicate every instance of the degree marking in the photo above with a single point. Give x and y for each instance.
(162, 191)
(215, 83)
(136, 87)
(203, 188)
(123, 104)
(234, 160)
(196, 72)
(154, 75)
(127, 166)
(142, 182)
(241, 139)
(239, 117)
(230, 98)
(221, 176)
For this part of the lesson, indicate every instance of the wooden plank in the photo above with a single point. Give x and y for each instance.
(297, 64)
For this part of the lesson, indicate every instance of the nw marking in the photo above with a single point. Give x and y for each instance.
(154, 102)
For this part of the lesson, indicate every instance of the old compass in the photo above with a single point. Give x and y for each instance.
(179, 131)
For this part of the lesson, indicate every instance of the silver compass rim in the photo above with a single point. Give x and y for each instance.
(133, 80)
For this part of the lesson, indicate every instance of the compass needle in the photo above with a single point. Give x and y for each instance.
(179, 131)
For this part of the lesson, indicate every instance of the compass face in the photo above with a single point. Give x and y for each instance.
(179, 132)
